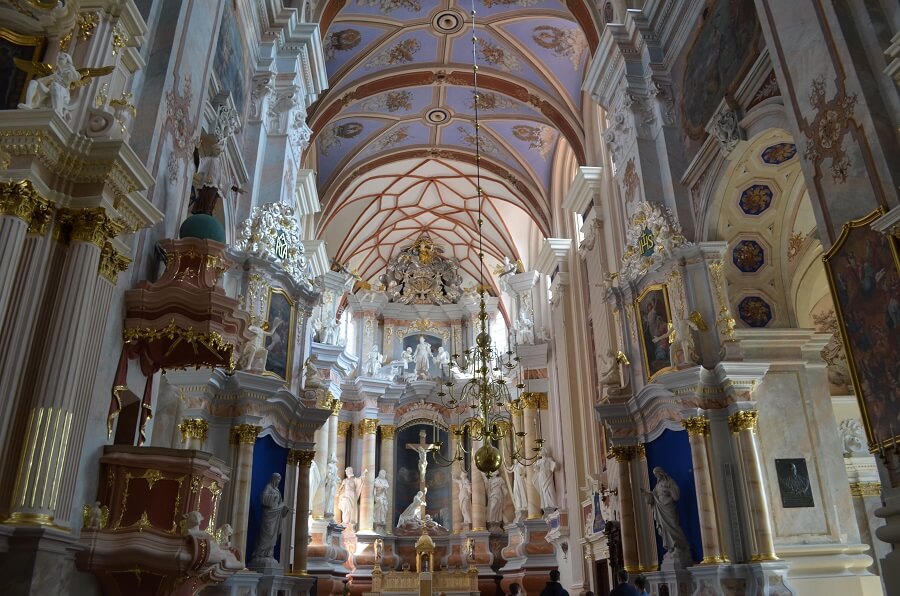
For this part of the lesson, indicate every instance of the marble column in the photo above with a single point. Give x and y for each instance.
(624, 454)
(698, 433)
(388, 435)
(301, 525)
(193, 432)
(530, 416)
(367, 429)
(743, 428)
(44, 451)
(648, 557)
(289, 522)
(243, 438)
(455, 469)
(322, 440)
(20, 205)
(340, 449)
(479, 498)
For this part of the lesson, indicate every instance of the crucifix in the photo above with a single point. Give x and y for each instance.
(422, 448)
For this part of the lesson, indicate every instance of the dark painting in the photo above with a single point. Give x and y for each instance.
(281, 324)
(437, 478)
(726, 45)
(230, 64)
(12, 79)
(793, 482)
(863, 270)
(653, 322)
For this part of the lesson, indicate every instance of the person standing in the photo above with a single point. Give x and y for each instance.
(623, 588)
(553, 587)
(640, 582)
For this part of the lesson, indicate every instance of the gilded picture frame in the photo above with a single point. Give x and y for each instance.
(863, 269)
(280, 339)
(14, 81)
(653, 316)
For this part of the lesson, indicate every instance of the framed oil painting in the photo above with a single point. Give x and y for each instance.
(280, 335)
(653, 318)
(863, 269)
(13, 80)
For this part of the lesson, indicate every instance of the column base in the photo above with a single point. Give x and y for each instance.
(37, 560)
(830, 568)
(327, 559)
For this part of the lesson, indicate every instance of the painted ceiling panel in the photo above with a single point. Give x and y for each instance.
(344, 42)
(342, 138)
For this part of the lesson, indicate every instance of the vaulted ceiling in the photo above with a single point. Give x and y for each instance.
(394, 136)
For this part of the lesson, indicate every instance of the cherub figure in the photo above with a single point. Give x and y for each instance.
(52, 86)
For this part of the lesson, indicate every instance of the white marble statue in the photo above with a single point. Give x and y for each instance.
(519, 490)
(318, 330)
(852, 436)
(315, 480)
(543, 481)
(663, 500)
(374, 362)
(348, 497)
(423, 358)
(406, 356)
(413, 514)
(53, 89)
(524, 328)
(254, 355)
(273, 510)
(330, 488)
(496, 489)
(464, 488)
(95, 516)
(382, 486)
(681, 336)
(612, 375)
(191, 523)
(311, 377)
(442, 358)
(332, 332)
(223, 536)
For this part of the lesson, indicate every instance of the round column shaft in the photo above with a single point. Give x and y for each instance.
(479, 498)
(243, 438)
(367, 428)
(698, 433)
(301, 524)
(388, 434)
(529, 420)
(624, 455)
(743, 427)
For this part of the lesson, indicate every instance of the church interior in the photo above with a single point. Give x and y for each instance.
(439, 296)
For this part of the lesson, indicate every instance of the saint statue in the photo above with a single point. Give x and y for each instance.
(543, 481)
(254, 355)
(315, 479)
(406, 356)
(682, 338)
(663, 500)
(423, 358)
(312, 379)
(413, 514)
(496, 488)
(519, 491)
(273, 510)
(612, 376)
(374, 362)
(464, 488)
(524, 328)
(348, 497)
(442, 358)
(381, 499)
(330, 489)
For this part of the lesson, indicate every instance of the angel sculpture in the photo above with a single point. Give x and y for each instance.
(52, 86)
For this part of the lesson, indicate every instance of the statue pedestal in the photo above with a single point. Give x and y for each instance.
(677, 581)
(327, 557)
(529, 556)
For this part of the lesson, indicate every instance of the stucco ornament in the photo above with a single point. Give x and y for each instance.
(652, 237)
(272, 230)
(825, 133)
(853, 437)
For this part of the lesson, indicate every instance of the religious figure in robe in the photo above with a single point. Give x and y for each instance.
(412, 515)
(464, 488)
(543, 481)
(663, 500)
(273, 510)
(374, 362)
(382, 485)
(348, 497)
(519, 491)
(423, 358)
(496, 488)
(315, 479)
(330, 488)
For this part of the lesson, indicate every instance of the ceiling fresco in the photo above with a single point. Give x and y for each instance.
(400, 100)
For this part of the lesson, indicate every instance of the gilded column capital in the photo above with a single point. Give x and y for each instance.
(344, 427)
(193, 428)
(743, 420)
(21, 200)
(336, 407)
(457, 429)
(368, 426)
(304, 457)
(533, 400)
(244, 434)
(90, 225)
(388, 431)
(112, 263)
(622, 453)
(696, 425)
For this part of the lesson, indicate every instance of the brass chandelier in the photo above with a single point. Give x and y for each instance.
(489, 405)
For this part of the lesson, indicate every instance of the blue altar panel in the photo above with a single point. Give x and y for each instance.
(268, 458)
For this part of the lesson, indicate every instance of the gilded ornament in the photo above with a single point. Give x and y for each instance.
(865, 489)
(112, 263)
(152, 476)
(119, 40)
(344, 428)
(368, 426)
(305, 457)
(622, 453)
(388, 431)
(532, 400)
(696, 425)
(743, 420)
(697, 319)
(212, 341)
(90, 225)
(193, 428)
(244, 434)
(21, 200)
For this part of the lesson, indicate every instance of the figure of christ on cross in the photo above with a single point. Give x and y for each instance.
(422, 448)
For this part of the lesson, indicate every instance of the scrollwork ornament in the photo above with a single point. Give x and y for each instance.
(21, 200)
(272, 230)
(193, 428)
(90, 225)
(652, 237)
(826, 132)
(112, 263)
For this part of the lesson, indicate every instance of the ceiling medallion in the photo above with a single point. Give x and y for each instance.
(437, 116)
(447, 22)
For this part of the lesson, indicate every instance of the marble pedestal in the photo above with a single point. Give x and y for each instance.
(528, 555)
(677, 581)
(327, 558)
(37, 560)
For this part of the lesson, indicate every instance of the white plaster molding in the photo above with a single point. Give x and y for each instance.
(307, 195)
(552, 254)
(317, 256)
(889, 223)
(585, 187)
(725, 127)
